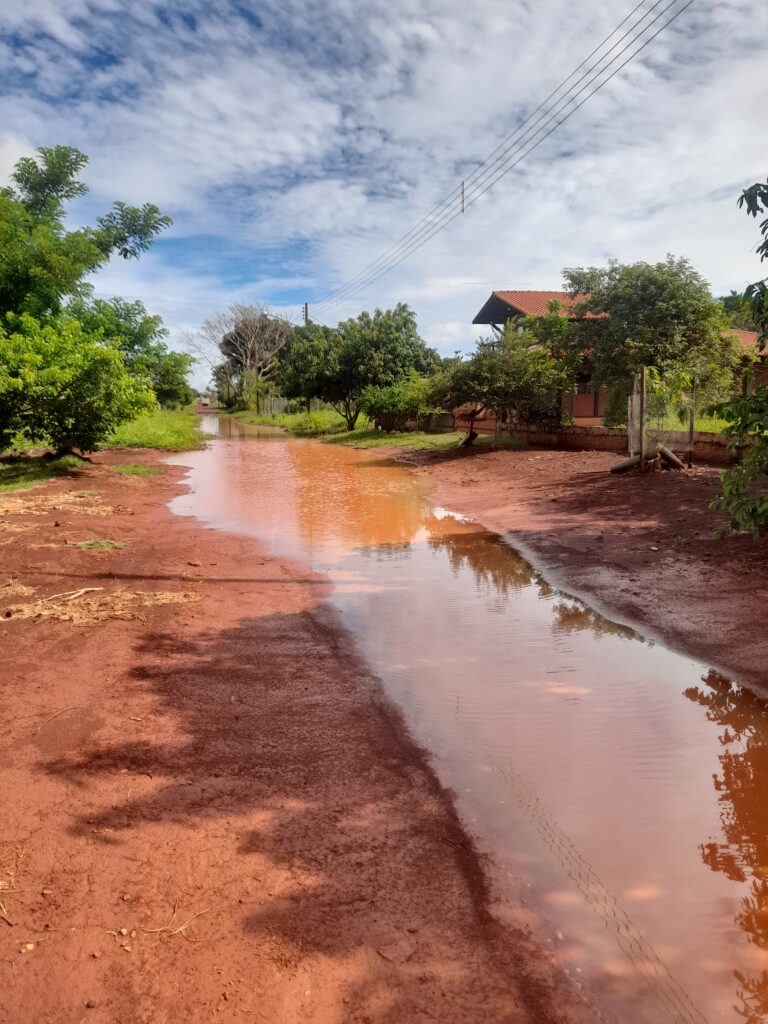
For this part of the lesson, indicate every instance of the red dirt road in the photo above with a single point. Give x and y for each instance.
(640, 548)
(209, 814)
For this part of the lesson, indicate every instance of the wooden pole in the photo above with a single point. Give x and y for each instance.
(642, 419)
(691, 426)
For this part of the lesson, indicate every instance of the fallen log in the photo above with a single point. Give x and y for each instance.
(631, 462)
(669, 457)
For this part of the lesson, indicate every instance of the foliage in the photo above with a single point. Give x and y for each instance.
(747, 417)
(738, 311)
(167, 429)
(41, 263)
(139, 337)
(371, 350)
(646, 314)
(391, 406)
(62, 385)
(19, 472)
(304, 424)
(521, 376)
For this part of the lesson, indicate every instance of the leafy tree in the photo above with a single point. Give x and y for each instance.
(62, 385)
(370, 351)
(304, 362)
(520, 376)
(738, 311)
(392, 406)
(373, 350)
(41, 263)
(743, 497)
(644, 314)
(139, 337)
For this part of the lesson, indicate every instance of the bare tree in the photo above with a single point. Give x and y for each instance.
(241, 343)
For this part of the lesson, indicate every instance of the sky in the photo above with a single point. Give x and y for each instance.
(293, 141)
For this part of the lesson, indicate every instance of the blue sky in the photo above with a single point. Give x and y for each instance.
(293, 141)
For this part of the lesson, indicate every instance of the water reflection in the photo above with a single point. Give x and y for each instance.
(565, 737)
(742, 787)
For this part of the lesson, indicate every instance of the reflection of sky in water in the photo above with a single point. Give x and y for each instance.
(624, 783)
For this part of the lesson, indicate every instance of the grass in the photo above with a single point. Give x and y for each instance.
(136, 469)
(99, 545)
(303, 424)
(416, 439)
(19, 472)
(167, 429)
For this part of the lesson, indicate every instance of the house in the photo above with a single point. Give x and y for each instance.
(586, 405)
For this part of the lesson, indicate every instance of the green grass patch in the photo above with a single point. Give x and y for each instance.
(167, 429)
(136, 469)
(410, 439)
(99, 545)
(20, 472)
(303, 424)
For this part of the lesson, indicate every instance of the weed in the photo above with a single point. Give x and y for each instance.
(100, 545)
(135, 469)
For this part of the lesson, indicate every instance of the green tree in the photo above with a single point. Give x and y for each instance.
(139, 336)
(644, 314)
(743, 496)
(373, 350)
(738, 311)
(42, 263)
(63, 386)
(337, 366)
(392, 406)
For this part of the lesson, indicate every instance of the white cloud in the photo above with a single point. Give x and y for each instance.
(307, 140)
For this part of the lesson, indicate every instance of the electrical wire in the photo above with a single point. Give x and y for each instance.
(443, 215)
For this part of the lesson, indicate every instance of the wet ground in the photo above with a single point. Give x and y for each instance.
(621, 787)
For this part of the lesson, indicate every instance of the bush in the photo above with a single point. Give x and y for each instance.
(62, 386)
(393, 406)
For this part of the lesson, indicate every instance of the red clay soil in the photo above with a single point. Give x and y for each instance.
(642, 549)
(209, 813)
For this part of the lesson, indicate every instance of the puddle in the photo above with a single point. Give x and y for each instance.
(622, 789)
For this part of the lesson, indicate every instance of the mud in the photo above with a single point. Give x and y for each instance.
(209, 811)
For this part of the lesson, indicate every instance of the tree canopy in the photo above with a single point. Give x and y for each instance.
(41, 262)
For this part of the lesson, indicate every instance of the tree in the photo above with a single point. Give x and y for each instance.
(738, 311)
(41, 263)
(138, 336)
(62, 385)
(249, 338)
(372, 350)
(644, 314)
(338, 365)
(304, 362)
(393, 406)
(747, 417)
(520, 376)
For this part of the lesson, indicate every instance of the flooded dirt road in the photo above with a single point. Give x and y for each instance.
(620, 789)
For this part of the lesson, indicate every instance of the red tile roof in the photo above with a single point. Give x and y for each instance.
(535, 303)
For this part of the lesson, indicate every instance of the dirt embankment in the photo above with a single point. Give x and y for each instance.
(641, 548)
(208, 812)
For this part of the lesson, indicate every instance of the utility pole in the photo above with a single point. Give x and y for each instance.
(306, 313)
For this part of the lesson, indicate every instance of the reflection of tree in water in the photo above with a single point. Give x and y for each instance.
(743, 793)
(494, 564)
(571, 616)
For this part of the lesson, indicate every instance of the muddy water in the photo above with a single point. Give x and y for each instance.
(620, 789)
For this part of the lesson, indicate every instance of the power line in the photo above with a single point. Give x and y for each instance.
(446, 211)
(502, 145)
